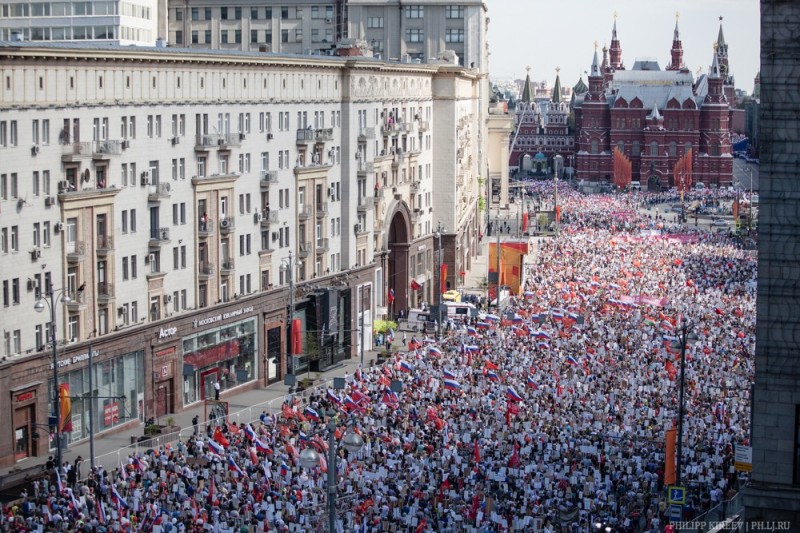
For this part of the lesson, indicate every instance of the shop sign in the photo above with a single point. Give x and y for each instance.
(25, 396)
(165, 333)
(110, 413)
(166, 371)
(222, 316)
(166, 352)
(75, 359)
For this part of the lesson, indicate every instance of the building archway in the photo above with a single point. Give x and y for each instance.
(398, 239)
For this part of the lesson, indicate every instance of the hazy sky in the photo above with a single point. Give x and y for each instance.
(545, 34)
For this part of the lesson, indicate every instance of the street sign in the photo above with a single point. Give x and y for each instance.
(743, 458)
(675, 512)
(676, 495)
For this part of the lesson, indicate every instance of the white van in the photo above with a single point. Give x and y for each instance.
(460, 311)
(417, 319)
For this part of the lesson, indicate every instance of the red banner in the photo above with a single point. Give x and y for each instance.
(65, 416)
(669, 460)
(297, 337)
(110, 413)
(443, 278)
(215, 354)
(414, 285)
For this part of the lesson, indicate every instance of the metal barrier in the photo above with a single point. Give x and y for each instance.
(712, 519)
(111, 460)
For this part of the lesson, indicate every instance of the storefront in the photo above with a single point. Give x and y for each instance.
(226, 354)
(24, 423)
(117, 391)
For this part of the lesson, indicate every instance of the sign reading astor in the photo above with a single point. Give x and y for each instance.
(222, 316)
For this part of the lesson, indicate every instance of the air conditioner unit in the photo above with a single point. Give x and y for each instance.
(126, 144)
(242, 136)
(258, 217)
(270, 136)
(36, 253)
(59, 227)
(165, 235)
(357, 228)
(176, 140)
(328, 20)
(167, 298)
(49, 201)
(274, 236)
(145, 178)
(150, 258)
(220, 141)
(121, 311)
(64, 186)
(31, 284)
(224, 223)
(34, 149)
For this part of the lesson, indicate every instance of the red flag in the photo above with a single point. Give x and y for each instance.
(421, 526)
(514, 461)
(490, 366)
(415, 286)
(390, 296)
(443, 278)
(476, 452)
(220, 438)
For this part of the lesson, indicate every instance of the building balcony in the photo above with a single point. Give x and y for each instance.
(227, 141)
(159, 191)
(106, 149)
(304, 212)
(77, 301)
(322, 209)
(226, 225)
(366, 133)
(228, 266)
(205, 269)
(365, 203)
(76, 251)
(324, 135)
(423, 126)
(365, 169)
(404, 127)
(76, 151)
(268, 177)
(207, 141)
(305, 136)
(104, 245)
(268, 218)
(105, 293)
(215, 178)
(159, 237)
(388, 130)
(323, 245)
(415, 187)
(205, 228)
(305, 249)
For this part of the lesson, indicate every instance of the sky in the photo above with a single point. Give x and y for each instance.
(546, 34)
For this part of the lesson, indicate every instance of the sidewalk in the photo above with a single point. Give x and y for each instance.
(245, 406)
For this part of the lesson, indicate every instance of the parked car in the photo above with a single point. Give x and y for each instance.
(718, 222)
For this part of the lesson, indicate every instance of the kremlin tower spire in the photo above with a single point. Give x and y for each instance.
(615, 52)
(676, 53)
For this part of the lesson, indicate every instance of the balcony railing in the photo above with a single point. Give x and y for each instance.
(159, 235)
(387, 129)
(322, 209)
(204, 268)
(366, 133)
(424, 125)
(323, 245)
(324, 134)
(415, 187)
(205, 227)
(305, 249)
(105, 243)
(230, 139)
(106, 148)
(269, 176)
(404, 127)
(365, 168)
(76, 300)
(365, 203)
(228, 265)
(305, 136)
(304, 213)
(269, 217)
(105, 292)
(76, 251)
(207, 141)
(159, 191)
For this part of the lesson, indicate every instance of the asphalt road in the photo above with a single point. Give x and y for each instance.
(745, 174)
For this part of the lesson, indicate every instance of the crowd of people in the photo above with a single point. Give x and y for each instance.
(548, 415)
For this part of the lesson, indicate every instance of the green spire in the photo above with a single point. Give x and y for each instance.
(580, 87)
(720, 37)
(557, 89)
(527, 90)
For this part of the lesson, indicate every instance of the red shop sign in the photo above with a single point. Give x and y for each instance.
(110, 413)
(25, 396)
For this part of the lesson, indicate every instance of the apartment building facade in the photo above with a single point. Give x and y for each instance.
(168, 201)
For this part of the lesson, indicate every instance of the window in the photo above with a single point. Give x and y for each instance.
(15, 291)
(254, 13)
(284, 36)
(35, 183)
(125, 272)
(14, 239)
(636, 150)
(133, 220)
(415, 12)
(414, 35)
(375, 22)
(654, 149)
(454, 35)
(673, 149)
(454, 12)
(195, 13)
(46, 233)
(134, 272)
(124, 219)
(595, 146)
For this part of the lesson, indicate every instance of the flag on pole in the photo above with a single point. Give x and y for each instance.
(451, 384)
(250, 432)
(448, 375)
(572, 361)
(311, 414)
(492, 376)
(390, 296)
(118, 500)
(216, 447)
(233, 467)
(512, 394)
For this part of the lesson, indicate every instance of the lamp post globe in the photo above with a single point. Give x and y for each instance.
(352, 442)
(309, 458)
(38, 306)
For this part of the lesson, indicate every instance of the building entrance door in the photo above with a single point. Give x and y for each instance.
(207, 380)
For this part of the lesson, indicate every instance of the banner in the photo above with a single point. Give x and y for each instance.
(297, 337)
(65, 416)
(443, 278)
(669, 459)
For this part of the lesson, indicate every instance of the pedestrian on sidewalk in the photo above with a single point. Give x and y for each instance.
(195, 424)
(216, 390)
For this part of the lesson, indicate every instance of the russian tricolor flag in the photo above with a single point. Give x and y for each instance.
(542, 335)
(216, 447)
(250, 432)
(572, 361)
(311, 413)
(451, 384)
(471, 348)
(448, 375)
(262, 446)
(433, 350)
(351, 403)
(332, 396)
(513, 395)
(284, 469)
(532, 383)
(405, 366)
(543, 345)
(471, 330)
(117, 499)
(491, 375)
(233, 467)
(517, 319)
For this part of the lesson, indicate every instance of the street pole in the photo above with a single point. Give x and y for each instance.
(683, 340)
(498, 268)
(91, 410)
(290, 271)
(361, 327)
(555, 201)
(331, 475)
(439, 230)
(55, 379)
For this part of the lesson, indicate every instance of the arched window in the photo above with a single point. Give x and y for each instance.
(687, 147)
(654, 149)
(621, 146)
(636, 150)
(595, 147)
(715, 148)
(673, 149)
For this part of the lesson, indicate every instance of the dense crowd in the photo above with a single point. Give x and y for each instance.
(548, 415)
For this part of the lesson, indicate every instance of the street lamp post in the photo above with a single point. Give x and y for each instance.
(50, 301)
(685, 337)
(439, 230)
(309, 459)
(288, 267)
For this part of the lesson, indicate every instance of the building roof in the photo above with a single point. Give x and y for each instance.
(646, 64)
(527, 89)
(580, 87)
(654, 96)
(557, 90)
